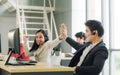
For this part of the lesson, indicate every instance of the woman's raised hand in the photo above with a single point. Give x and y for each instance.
(25, 39)
(63, 31)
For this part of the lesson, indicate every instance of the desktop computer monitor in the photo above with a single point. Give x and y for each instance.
(14, 40)
(13, 43)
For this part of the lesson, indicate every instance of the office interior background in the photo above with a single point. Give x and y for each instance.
(74, 13)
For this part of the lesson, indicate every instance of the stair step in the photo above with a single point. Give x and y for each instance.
(29, 17)
(30, 41)
(33, 23)
(33, 28)
(31, 35)
(28, 11)
(36, 8)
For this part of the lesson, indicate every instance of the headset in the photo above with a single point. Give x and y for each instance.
(94, 32)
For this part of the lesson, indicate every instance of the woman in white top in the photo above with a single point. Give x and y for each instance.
(42, 47)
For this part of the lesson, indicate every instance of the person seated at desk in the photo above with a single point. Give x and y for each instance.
(80, 37)
(42, 47)
(90, 58)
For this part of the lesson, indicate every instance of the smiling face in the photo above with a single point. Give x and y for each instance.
(39, 38)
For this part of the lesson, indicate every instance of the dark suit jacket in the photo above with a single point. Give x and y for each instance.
(93, 62)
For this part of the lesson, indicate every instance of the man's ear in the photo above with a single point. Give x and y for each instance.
(94, 32)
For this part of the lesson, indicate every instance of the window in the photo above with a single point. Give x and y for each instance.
(108, 12)
(78, 16)
(114, 38)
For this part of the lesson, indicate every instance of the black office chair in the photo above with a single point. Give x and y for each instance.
(55, 49)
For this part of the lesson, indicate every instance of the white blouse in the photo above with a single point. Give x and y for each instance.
(43, 53)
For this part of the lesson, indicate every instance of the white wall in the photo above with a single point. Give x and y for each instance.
(94, 9)
(7, 22)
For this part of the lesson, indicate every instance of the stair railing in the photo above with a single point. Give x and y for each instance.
(53, 23)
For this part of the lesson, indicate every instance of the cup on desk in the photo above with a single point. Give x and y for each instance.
(55, 60)
(62, 55)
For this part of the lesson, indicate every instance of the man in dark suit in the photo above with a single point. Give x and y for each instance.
(90, 57)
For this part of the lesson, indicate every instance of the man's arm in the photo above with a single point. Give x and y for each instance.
(73, 43)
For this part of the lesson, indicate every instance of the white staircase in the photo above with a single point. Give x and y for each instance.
(32, 18)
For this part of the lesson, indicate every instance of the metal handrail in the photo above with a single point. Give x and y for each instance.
(21, 22)
(52, 19)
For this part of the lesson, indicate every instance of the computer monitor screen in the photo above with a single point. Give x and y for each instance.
(13, 43)
(14, 40)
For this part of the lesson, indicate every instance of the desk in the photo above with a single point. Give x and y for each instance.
(38, 69)
(65, 61)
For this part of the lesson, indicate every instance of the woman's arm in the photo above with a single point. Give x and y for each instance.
(27, 53)
(54, 43)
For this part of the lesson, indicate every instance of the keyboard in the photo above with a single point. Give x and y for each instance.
(32, 61)
(23, 62)
(20, 64)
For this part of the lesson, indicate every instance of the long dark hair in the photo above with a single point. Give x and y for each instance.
(35, 45)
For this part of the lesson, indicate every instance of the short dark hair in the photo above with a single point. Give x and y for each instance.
(35, 46)
(95, 25)
(80, 35)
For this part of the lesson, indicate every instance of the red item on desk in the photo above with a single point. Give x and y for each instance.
(22, 54)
